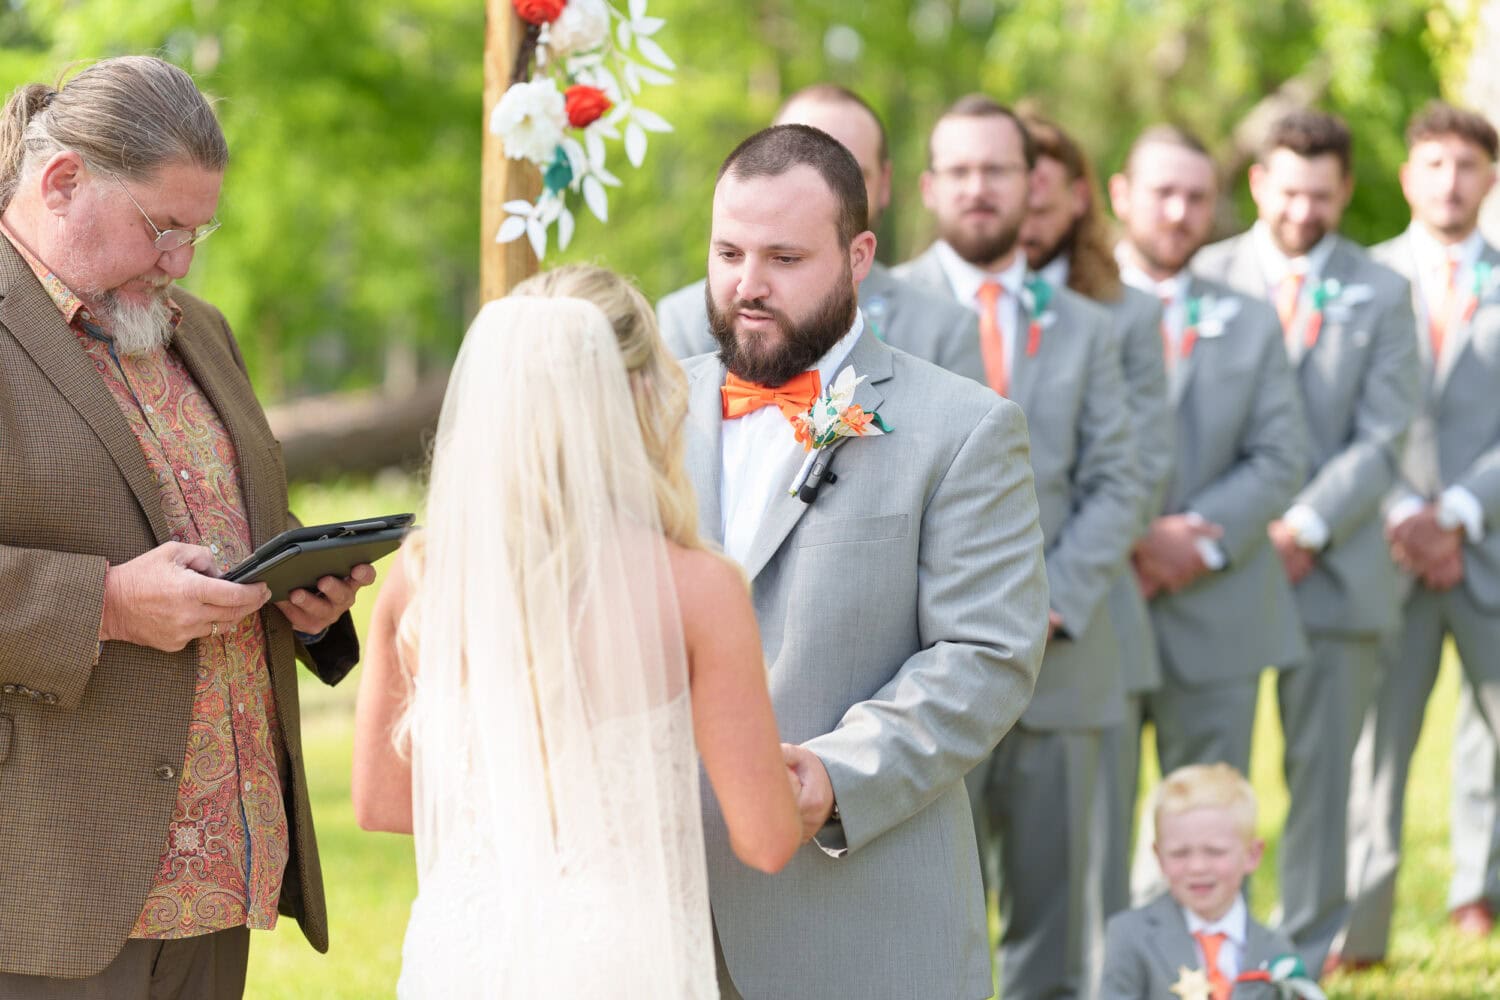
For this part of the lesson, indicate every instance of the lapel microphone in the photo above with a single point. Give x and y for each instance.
(820, 473)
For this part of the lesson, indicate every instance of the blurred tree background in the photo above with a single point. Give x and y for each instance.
(349, 254)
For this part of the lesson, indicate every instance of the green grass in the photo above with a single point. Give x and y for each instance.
(370, 878)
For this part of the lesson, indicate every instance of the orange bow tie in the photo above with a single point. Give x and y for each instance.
(793, 399)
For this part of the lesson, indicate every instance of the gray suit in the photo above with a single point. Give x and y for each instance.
(892, 308)
(1241, 455)
(1041, 781)
(903, 617)
(1147, 949)
(1359, 392)
(1455, 441)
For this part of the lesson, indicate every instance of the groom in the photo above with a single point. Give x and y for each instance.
(902, 604)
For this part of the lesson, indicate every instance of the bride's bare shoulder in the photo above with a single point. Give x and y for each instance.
(707, 583)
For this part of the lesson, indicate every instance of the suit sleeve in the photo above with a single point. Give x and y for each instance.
(1108, 494)
(1347, 490)
(981, 620)
(335, 654)
(1273, 453)
(49, 624)
(1124, 975)
(1153, 426)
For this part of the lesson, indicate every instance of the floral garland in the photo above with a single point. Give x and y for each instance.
(583, 92)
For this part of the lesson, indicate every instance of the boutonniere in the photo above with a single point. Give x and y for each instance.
(874, 312)
(1207, 317)
(1288, 976)
(1482, 288)
(1036, 299)
(830, 419)
(1336, 300)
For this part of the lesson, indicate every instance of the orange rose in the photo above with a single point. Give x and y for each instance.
(539, 11)
(585, 104)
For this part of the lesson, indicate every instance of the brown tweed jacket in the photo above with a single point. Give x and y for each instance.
(90, 756)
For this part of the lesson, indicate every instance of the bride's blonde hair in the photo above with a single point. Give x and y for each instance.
(657, 382)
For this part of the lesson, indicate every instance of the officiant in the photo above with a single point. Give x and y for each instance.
(153, 802)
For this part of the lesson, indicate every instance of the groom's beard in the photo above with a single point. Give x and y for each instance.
(797, 346)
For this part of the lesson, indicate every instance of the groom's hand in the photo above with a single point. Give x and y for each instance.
(815, 794)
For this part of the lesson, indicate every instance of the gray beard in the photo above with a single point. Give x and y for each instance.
(136, 329)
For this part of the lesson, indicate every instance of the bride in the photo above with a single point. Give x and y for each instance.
(543, 660)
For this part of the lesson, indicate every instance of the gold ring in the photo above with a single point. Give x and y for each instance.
(213, 629)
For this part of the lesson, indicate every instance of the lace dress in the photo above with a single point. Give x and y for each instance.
(576, 925)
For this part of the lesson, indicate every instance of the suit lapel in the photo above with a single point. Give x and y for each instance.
(1461, 334)
(705, 460)
(877, 302)
(1182, 371)
(868, 357)
(1171, 940)
(1023, 364)
(32, 318)
(1244, 273)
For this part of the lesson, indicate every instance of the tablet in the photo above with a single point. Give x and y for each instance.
(299, 558)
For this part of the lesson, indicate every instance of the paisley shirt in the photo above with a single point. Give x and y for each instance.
(227, 845)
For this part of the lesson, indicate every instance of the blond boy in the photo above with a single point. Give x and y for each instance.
(1197, 940)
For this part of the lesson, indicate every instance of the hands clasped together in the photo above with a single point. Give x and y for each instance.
(1170, 556)
(1425, 549)
(171, 595)
(811, 786)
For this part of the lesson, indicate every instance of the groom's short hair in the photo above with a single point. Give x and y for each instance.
(773, 151)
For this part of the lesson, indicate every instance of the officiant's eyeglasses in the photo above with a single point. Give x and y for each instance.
(168, 240)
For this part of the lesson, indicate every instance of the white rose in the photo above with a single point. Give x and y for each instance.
(530, 119)
(583, 25)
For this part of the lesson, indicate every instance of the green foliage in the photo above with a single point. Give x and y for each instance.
(351, 215)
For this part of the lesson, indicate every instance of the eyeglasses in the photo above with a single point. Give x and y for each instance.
(990, 174)
(168, 240)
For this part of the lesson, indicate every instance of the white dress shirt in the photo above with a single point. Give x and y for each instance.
(966, 280)
(1457, 506)
(757, 448)
(1234, 925)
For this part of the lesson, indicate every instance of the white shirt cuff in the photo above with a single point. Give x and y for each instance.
(1457, 506)
(1308, 526)
(1210, 551)
(1408, 507)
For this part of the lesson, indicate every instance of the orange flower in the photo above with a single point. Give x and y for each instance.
(585, 104)
(539, 11)
(802, 428)
(856, 418)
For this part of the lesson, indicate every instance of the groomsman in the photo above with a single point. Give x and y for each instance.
(1068, 242)
(889, 305)
(1056, 354)
(1439, 528)
(1221, 607)
(1349, 333)
(902, 602)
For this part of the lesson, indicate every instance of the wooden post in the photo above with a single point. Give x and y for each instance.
(502, 265)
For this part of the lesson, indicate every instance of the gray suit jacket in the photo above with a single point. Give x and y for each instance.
(903, 616)
(891, 308)
(1241, 456)
(1359, 388)
(1090, 495)
(1455, 440)
(1145, 951)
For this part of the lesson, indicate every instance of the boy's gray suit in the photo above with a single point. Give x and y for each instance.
(1359, 388)
(1454, 441)
(1036, 795)
(1147, 949)
(903, 616)
(891, 308)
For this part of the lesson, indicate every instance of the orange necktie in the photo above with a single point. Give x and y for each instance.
(991, 342)
(1437, 322)
(793, 398)
(1211, 943)
(1287, 295)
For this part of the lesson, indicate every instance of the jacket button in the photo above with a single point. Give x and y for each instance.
(49, 698)
(165, 772)
(8, 689)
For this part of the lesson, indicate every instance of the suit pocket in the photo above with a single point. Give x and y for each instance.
(7, 726)
(852, 529)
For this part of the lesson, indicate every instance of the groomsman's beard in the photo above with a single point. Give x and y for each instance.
(984, 249)
(798, 346)
(1038, 256)
(136, 327)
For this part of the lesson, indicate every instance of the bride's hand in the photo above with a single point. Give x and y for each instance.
(814, 790)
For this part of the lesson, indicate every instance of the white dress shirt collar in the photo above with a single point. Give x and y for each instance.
(1234, 925)
(1431, 254)
(966, 278)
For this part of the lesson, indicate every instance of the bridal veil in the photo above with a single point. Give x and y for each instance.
(555, 783)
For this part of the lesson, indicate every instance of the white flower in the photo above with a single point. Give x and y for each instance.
(583, 25)
(530, 119)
